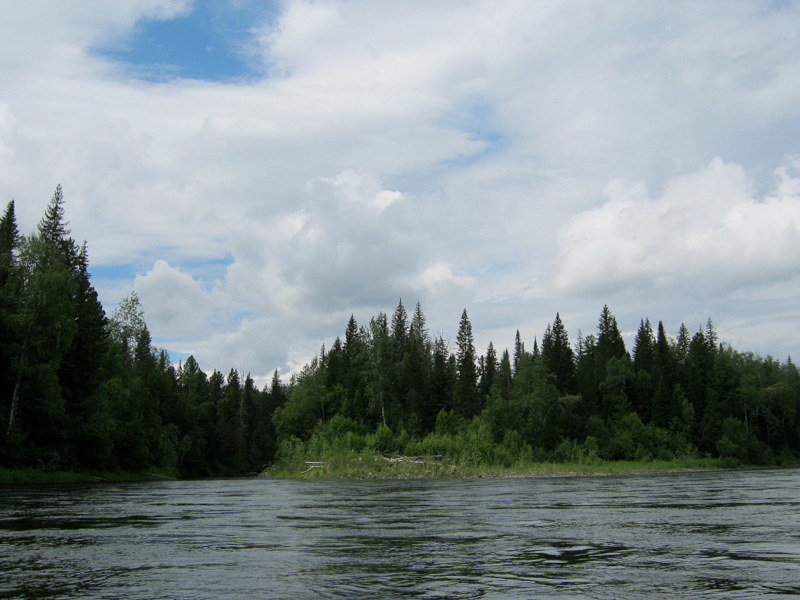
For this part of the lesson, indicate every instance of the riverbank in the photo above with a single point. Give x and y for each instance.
(38, 476)
(365, 466)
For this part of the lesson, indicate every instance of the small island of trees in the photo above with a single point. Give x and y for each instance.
(83, 391)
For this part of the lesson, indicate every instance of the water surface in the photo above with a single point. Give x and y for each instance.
(691, 535)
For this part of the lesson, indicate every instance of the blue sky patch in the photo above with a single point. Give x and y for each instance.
(476, 118)
(209, 42)
(112, 271)
(176, 357)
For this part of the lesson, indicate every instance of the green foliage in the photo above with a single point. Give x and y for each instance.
(81, 391)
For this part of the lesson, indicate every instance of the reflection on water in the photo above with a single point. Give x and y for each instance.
(693, 535)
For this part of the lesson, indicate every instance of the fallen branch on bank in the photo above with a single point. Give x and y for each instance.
(157, 476)
(420, 460)
(313, 465)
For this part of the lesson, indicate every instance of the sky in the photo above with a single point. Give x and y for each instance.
(259, 171)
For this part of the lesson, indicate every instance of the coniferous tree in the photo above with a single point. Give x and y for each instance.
(682, 345)
(382, 395)
(442, 381)
(665, 408)
(417, 367)
(47, 329)
(557, 356)
(502, 383)
(9, 308)
(488, 372)
(643, 366)
(399, 330)
(467, 400)
(519, 351)
(612, 395)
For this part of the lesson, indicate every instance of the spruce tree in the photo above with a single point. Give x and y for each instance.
(519, 351)
(400, 329)
(643, 364)
(10, 282)
(488, 372)
(442, 382)
(557, 356)
(467, 401)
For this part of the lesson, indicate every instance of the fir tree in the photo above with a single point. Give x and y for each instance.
(488, 372)
(519, 351)
(557, 356)
(467, 400)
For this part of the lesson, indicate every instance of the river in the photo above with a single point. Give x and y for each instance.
(731, 534)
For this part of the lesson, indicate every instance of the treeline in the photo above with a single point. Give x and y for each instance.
(389, 387)
(79, 390)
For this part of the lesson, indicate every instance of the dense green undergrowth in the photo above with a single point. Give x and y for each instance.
(83, 395)
(339, 449)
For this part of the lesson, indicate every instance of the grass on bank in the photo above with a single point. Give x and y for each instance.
(26, 476)
(368, 465)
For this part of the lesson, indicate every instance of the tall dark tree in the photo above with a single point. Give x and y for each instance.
(643, 365)
(557, 356)
(9, 309)
(488, 372)
(47, 328)
(442, 381)
(467, 400)
(400, 329)
(609, 339)
(381, 393)
(519, 351)
(502, 383)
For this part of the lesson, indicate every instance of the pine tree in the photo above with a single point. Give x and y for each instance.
(47, 327)
(52, 228)
(557, 356)
(643, 364)
(9, 242)
(442, 383)
(382, 395)
(488, 372)
(9, 313)
(400, 330)
(643, 347)
(504, 376)
(682, 345)
(664, 399)
(609, 339)
(519, 351)
(467, 401)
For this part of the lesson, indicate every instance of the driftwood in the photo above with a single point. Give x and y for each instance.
(313, 464)
(157, 476)
(420, 460)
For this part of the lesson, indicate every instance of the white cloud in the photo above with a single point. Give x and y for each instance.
(706, 235)
(439, 277)
(452, 151)
(340, 249)
(174, 303)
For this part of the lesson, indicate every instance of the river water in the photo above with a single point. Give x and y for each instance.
(732, 534)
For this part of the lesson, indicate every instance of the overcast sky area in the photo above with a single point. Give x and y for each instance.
(258, 171)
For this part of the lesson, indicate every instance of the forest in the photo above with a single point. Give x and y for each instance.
(83, 390)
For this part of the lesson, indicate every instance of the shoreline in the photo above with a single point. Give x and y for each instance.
(376, 467)
(358, 470)
(34, 476)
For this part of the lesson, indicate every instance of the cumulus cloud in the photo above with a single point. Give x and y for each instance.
(340, 249)
(451, 151)
(175, 304)
(439, 277)
(706, 234)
